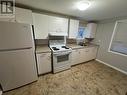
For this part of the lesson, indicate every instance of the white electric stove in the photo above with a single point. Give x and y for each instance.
(61, 54)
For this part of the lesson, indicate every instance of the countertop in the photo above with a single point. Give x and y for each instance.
(46, 49)
(75, 46)
(42, 49)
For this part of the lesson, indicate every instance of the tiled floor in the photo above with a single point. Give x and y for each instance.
(90, 78)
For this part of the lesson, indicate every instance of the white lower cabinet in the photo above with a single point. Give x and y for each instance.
(78, 56)
(93, 53)
(75, 59)
(83, 55)
(44, 63)
(89, 53)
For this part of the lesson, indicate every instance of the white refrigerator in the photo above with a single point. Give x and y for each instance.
(17, 55)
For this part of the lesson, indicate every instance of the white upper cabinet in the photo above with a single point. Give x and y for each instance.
(23, 16)
(91, 30)
(58, 25)
(41, 25)
(73, 28)
(44, 24)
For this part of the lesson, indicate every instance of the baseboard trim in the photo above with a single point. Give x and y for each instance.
(111, 66)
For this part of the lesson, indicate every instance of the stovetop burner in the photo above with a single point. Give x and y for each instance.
(65, 47)
(60, 48)
(55, 48)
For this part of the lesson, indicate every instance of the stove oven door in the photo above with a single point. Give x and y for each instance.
(61, 62)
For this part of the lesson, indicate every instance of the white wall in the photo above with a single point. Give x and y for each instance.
(103, 37)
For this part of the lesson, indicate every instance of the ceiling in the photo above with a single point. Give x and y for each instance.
(98, 10)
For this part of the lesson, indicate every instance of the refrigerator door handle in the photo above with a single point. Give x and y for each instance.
(15, 49)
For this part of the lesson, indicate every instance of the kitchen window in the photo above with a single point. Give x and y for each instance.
(118, 42)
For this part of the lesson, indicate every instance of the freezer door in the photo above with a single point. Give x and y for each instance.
(15, 35)
(17, 68)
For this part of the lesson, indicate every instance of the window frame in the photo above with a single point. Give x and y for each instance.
(113, 34)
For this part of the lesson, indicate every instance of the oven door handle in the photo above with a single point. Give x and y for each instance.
(60, 54)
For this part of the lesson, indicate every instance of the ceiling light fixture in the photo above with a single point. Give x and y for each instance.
(83, 5)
